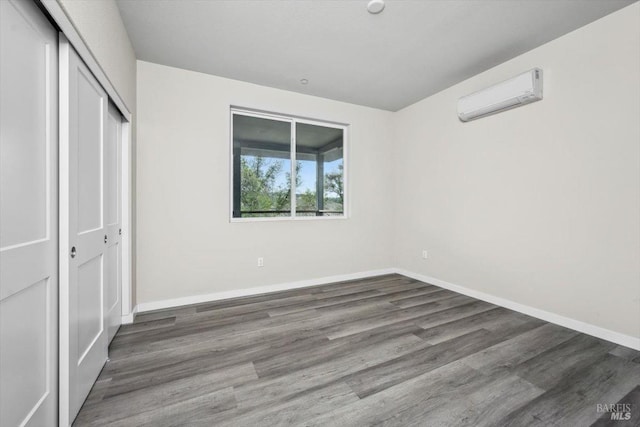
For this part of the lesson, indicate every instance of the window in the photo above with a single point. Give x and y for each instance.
(284, 167)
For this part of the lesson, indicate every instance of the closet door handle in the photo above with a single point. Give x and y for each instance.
(73, 252)
(105, 238)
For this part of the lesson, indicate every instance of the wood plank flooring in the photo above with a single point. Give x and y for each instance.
(386, 351)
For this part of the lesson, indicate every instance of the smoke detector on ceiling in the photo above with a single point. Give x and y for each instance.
(375, 6)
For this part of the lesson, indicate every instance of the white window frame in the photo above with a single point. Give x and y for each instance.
(293, 120)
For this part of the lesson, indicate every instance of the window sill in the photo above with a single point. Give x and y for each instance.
(289, 218)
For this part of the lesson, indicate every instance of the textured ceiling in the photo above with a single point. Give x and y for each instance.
(413, 49)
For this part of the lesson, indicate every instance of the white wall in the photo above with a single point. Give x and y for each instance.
(186, 244)
(539, 205)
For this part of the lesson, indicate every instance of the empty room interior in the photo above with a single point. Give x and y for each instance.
(319, 213)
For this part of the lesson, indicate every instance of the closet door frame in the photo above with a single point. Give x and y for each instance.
(64, 49)
(70, 35)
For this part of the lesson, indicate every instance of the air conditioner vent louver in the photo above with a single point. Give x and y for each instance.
(520, 90)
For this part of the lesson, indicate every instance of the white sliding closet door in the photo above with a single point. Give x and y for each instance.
(28, 216)
(113, 255)
(84, 212)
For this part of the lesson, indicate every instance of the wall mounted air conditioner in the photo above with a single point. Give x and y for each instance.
(520, 90)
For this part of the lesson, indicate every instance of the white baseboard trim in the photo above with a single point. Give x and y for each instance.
(128, 319)
(577, 325)
(567, 322)
(197, 299)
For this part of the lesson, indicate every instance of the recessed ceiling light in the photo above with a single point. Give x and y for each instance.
(375, 6)
(304, 81)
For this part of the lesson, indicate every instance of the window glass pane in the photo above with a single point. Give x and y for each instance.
(261, 167)
(319, 170)
(334, 185)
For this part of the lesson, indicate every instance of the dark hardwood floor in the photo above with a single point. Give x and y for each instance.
(380, 351)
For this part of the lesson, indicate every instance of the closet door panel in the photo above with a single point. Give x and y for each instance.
(28, 216)
(88, 124)
(87, 239)
(113, 255)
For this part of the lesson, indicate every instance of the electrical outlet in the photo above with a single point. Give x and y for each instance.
(425, 254)
(260, 262)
